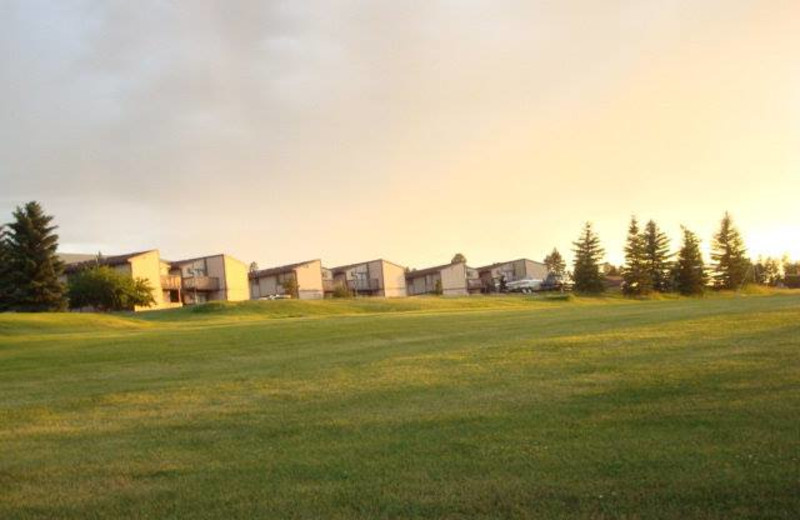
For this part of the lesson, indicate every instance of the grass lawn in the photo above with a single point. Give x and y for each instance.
(414, 408)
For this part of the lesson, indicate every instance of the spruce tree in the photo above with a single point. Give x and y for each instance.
(555, 263)
(690, 276)
(33, 266)
(635, 276)
(5, 283)
(731, 265)
(587, 275)
(656, 256)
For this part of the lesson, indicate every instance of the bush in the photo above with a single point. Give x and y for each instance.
(342, 291)
(105, 289)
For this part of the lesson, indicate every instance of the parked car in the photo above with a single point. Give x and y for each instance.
(526, 285)
(556, 282)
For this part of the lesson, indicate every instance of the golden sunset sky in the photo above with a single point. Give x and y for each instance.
(283, 131)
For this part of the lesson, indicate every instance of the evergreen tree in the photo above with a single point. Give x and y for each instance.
(656, 256)
(635, 276)
(588, 253)
(458, 258)
(33, 266)
(731, 265)
(5, 283)
(690, 276)
(555, 263)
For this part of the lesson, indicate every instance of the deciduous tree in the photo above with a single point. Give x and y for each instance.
(555, 263)
(105, 289)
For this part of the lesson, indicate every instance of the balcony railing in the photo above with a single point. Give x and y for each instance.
(201, 283)
(170, 282)
(474, 283)
(370, 284)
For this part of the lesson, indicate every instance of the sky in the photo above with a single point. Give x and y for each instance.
(280, 131)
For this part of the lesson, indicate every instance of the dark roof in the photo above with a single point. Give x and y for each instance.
(348, 266)
(74, 258)
(278, 270)
(189, 260)
(429, 270)
(497, 264)
(106, 260)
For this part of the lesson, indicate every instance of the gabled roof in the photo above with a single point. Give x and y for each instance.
(190, 260)
(498, 264)
(74, 258)
(177, 263)
(349, 266)
(105, 260)
(272, 271)
(430, 270)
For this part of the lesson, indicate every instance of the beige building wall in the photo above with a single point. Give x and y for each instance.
(454, 280)
(393, 279)
(534, 269)
(309, 280)
(235, 284)
(147, 266)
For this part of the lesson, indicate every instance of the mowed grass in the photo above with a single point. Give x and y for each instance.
(417, 408)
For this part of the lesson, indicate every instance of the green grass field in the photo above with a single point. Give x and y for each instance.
(414, 408)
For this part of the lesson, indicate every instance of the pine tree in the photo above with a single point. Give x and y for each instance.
(555, 263)
(731, 266)
(656, 256)
(635, 276)
(33, 266)
(588, 253)
(690, 276)
(5, 283)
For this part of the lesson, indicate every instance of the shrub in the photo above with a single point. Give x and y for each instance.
(105, 289)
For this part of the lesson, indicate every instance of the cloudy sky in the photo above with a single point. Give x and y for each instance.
(278, 131)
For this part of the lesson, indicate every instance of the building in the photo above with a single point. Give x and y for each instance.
(210, 278)
(513, 270)
(143, 264)
(455, 279)
(270, 282)
(373, 278)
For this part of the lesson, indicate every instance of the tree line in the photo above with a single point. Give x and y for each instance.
(31, 272)
(650, 266)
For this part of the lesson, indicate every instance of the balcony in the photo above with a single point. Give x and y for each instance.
(201, 283)
(170, 282)
(474, 283)
(369, 284)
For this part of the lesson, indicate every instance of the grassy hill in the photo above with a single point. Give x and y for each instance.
(413, 408)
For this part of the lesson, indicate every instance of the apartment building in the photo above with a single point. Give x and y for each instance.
(454, 279)
(372, 278)
(513, 270)
(210, 278)
(270, 282)
(196, 280)
(143, 264)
